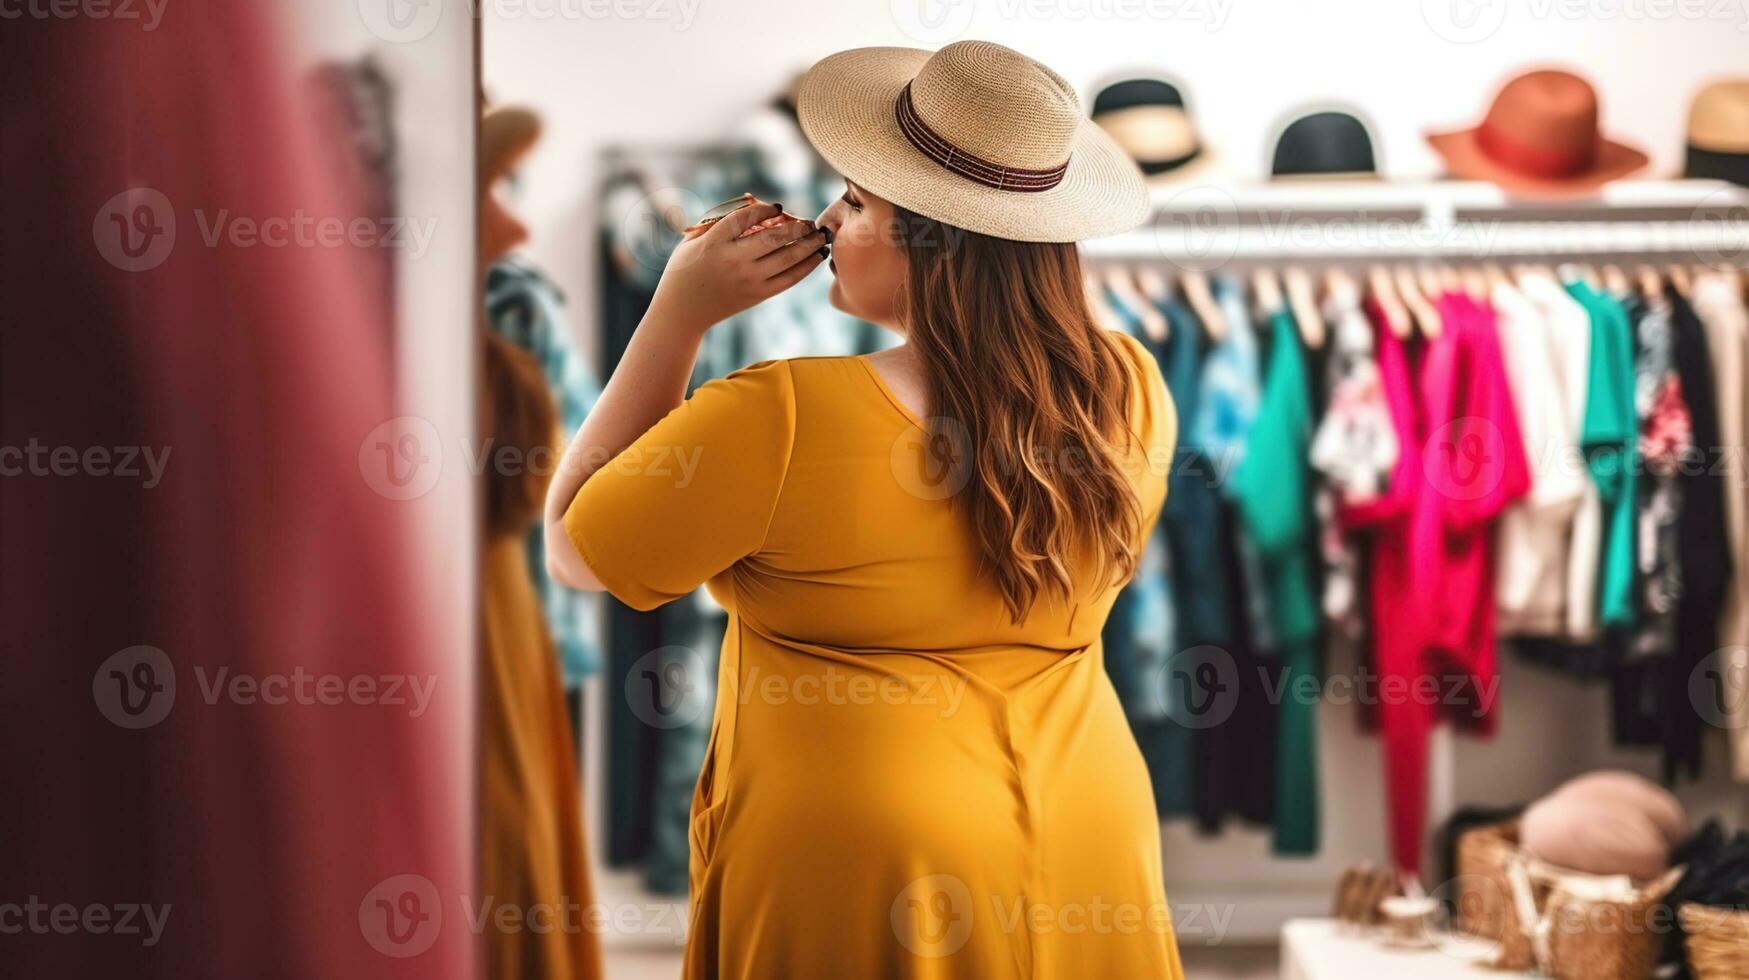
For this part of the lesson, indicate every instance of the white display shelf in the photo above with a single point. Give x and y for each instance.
(1320, 949)
(1205, 226)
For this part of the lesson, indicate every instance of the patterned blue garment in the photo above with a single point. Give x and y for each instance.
(1144, 629)
(1142, 632)
(1232, 385)
(1230, 397)
(1153, 629)
(525, 308)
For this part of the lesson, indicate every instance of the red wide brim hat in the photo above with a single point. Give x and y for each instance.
(1466, 158)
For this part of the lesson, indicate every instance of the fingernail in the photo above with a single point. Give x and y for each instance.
(823, 253)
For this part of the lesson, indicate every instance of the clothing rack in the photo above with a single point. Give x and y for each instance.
(1350, 225)
(1208, 227)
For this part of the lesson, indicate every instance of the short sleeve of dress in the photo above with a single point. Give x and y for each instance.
(1153, 416)
(694, 494)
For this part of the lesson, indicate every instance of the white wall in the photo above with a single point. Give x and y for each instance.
(686, 69)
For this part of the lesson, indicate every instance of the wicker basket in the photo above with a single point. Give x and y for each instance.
(1718, 941)
(1482, 893)
(1553, 920)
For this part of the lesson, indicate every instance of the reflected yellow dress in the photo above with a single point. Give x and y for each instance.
(901, 782)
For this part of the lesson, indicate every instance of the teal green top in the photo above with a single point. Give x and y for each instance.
(1610, 438)
(1272, 485)
(1272, 491)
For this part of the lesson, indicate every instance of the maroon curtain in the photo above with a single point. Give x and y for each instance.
(215, 398)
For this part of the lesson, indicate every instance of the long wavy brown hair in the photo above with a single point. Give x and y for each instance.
(1031, 394)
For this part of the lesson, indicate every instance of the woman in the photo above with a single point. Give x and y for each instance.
(917, 767)
(533, 856)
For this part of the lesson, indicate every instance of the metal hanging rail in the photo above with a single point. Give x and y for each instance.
(1206, 226)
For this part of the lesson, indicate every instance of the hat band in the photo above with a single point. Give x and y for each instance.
(1717, 164)
(1154, 168)
(967, 165)
(1533, 161)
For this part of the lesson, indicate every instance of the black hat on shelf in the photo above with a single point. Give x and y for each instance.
(1147, 117)
(1324, 144)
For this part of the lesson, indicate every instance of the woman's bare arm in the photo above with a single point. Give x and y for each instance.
(708, 279)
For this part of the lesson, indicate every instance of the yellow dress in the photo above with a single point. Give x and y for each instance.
(901, 782)
(533, 858)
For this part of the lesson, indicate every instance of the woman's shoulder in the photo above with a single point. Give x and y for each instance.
(791, 386)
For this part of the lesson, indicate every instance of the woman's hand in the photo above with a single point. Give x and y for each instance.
(725, 270)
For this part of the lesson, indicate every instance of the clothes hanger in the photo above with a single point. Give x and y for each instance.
(1384, 292)
(1152, 284)
(1195, 286)
(1338, 283)
(1157, 288)
(1266, 291)
(1475, 282)
(1426, 317)
(1123, 284)
(1428, 279)
(1305, 305)
(1340, 289)
(1103, 314)
(1678, 278)
(1576, 272)
(1650, 284)
(1615, 281)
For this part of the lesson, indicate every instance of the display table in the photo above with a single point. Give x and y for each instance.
(1318, 949)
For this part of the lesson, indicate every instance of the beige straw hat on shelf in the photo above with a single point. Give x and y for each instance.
(975, 135)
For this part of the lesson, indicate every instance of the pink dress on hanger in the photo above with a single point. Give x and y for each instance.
(1461, 462)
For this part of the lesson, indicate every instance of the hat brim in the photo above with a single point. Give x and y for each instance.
(1464, 159)
(845, 106)
(507, 133)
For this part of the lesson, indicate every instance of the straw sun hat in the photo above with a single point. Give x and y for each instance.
(507, 133)
(974, 135)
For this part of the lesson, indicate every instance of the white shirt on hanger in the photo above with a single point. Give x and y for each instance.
(1719, 304)
(1568, 330)
(1535, 532)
